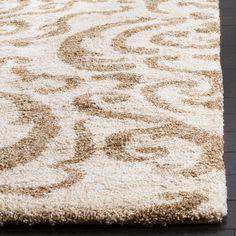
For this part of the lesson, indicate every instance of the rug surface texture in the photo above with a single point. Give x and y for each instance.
(111, 112)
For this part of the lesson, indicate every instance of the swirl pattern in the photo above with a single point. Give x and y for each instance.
(112, 112)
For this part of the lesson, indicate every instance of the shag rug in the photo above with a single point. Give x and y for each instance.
(111, 112)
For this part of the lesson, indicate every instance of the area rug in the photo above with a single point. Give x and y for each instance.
(111, 112)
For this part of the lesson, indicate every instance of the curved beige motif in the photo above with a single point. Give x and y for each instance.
(152, 5)
(17, 26)
(151, 91)
(160, 39)
(84, 149)
(85, 103)
(196, 4)
(210, 27)
(212, 146)
(72, 52)
(115, 98)
(20, 4)
(216, 104)
(119, 42)
(71, 82)
(61, 26)
(185, 87)
(73, 177)
(44, 129)
(16, 59)
(127, 80)
(24, 3)
(201, 16)
(211, 57)
(214, 77)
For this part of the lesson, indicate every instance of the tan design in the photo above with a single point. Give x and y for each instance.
(60, 26)
(211, 146)
(127, 80)
(71, 51)
(213, 57)
(152, 5)
(150, 92)
(209, 27)
(111, 98)
(215, 76)
(17, 6)
(185, 88)
(196, 4)
(16, 25)
(71, 82)
(160, 40)
(83, 150)
(215, 104)
(200, 16)
(87, 105)
(111, 112)
(44, 129)
(119, 42)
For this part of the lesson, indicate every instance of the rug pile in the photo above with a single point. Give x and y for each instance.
(111, 112)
